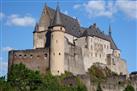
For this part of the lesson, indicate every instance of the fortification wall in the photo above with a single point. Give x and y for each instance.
(111, 84)
(34, 59)
(117, 65)
(39, 39)
(73, 59)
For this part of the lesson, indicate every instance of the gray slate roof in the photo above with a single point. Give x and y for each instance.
(57, 18)
(72, 27)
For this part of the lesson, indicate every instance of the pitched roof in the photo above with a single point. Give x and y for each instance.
(95, 31)
(72, 27)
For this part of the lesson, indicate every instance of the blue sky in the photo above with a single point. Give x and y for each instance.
(18, 18)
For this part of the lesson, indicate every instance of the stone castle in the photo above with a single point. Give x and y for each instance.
(61, 44)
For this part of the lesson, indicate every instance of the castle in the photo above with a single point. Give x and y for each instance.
(61, 44)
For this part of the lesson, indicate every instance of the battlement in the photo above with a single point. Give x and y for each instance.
(35, 59)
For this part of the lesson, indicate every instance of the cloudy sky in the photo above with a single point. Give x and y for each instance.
(18, 18)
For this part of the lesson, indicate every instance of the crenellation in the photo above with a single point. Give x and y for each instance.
(35, 59)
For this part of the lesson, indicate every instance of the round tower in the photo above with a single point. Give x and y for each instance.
(57, 45)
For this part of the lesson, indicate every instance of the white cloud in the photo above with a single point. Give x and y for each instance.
(2, 15)
(7, 48)
(17, 20)
(99, 8)
(109, 8)
(77, 6)
(128, 7)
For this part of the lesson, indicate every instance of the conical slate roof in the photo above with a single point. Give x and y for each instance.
(57, 18)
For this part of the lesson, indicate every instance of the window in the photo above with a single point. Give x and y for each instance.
(56, 41)
(45, 54)
(59, 53)
(60, 28)
(38, 56)
(113, 61)
(54, 54)
(20, 56)
(85, 46)
(25, 56)
(31, 56)
(15, 55)
(96, 54)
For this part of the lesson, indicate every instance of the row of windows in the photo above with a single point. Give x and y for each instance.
(58, 54)
(98, 46)
(99, 55)
(29, 56)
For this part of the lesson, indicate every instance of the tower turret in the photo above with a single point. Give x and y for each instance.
(110, 30)
(57, 44)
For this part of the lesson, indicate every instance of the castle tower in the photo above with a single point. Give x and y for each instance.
(57, 45)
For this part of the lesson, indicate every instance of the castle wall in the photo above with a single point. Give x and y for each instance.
(117, 65)
(94, 50)
(34, 59)
(73, 58)
(39, 39)
(70, 38)
(44, 21)
(111, 84)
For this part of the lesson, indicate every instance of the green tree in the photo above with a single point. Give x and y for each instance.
(99, 88)
(21, 78)
(24, 79)
(129, 88)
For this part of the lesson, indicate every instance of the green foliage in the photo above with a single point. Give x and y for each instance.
(99, 74)
(4, 86)
(99, 88)
(129, 88)
(22, 79)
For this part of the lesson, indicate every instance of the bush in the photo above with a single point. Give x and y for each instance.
(129, 88)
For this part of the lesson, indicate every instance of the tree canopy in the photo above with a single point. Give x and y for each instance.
(21, 78)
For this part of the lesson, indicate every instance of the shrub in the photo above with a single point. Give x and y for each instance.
(129, 88)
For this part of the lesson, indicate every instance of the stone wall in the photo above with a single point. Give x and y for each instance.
(73, 59)
(34, 59)
(113, 83)
(94, 50)
(117, 65)
(39, 39)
